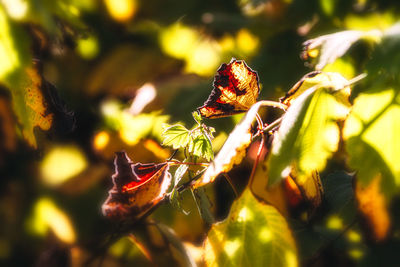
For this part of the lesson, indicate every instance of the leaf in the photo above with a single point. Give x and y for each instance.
(383, 63)
(201, 147)
(181, 254)
(176, 136)
(308, 135)
(373, 206)
(22, 79)
(136, 188)
(234, 149)
(321, 79)
(203, 205)
(338, 189)
(235, 90)
(310, 187)
(335, 45)
(29, 103)
(254, 234)
(273, 195)
(371, 134)
(175, 195)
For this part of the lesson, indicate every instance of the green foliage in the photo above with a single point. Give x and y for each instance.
(254, 234)
(308, 135)
(201, 147)
(203, 205)
(370, 134)
(176, 136)
(102, 56)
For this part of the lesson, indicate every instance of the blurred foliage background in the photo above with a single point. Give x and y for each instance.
(83, 79)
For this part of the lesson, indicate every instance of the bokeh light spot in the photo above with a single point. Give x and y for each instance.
(88, 48)
(47, 216)
(265, 235)
(334, 223)
(231, 247)
(247, 43)
(101, 140)
(121, 10)
(62, 163)
(16, 9)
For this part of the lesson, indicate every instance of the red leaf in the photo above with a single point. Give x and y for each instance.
(137, 188)
(235, 90)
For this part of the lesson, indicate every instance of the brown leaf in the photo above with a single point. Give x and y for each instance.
(234, 149)
(235, 90)
(136, 188)
(29, 104)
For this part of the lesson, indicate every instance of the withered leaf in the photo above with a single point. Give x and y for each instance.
(235, 90)
(136, 188)
(29, 103)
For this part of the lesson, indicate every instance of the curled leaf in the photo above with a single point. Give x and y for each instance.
(235, 90)
(234, 149)
(136, 188)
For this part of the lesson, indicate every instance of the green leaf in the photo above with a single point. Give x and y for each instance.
(203, 205)
(308, 135)
(338, 187)
(22, 79)
(254, 234)
(197, 117)
(201, 147)
(175, 196)
(371, 133)
(176, 136)
(29, 103)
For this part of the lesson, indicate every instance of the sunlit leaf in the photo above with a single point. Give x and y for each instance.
(235, 90)
(335, 45)
(310, 188)
(29, 103)
(274, 195)
(372, 204)
(308, 135)
(254, 234)
(201, 147)
(371, 134)
(334, 80)
(176, 136)
(234, 149)
(136, 188)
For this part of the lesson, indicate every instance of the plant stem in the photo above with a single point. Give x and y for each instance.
(173, 162)
(274, 104)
